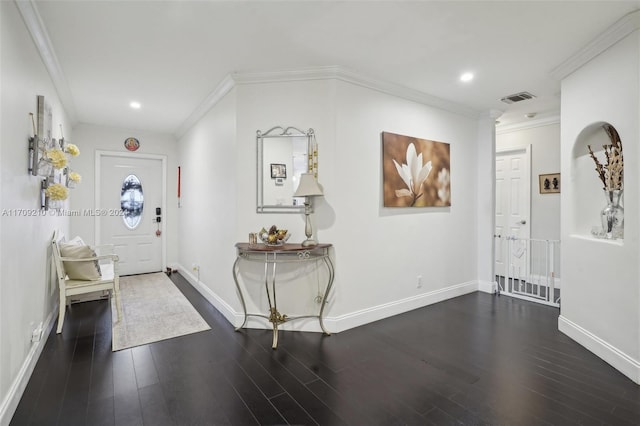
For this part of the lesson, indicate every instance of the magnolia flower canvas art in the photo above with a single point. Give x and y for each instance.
(416, 172)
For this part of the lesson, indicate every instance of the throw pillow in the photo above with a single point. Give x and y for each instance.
(80, 242)
(86, 270)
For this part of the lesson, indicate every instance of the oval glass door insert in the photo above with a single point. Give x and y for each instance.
(131, 201)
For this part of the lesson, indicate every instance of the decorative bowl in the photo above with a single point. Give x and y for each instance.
(274, 237)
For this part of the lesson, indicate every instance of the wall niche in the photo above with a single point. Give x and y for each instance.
(588, 195)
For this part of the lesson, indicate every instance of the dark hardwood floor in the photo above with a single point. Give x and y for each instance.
(474, 360)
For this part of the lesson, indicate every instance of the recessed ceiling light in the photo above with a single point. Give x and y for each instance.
(466, 77)
(135, 105)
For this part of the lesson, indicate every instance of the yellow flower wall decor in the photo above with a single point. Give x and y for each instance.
(75, 176)
(57, 192)
(72, 150)
(57, 158)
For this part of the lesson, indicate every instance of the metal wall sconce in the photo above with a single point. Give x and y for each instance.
(44, 200)
(49, 158)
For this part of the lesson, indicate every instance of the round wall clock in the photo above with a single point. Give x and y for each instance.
(132, 144)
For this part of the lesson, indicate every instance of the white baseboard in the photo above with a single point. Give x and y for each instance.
(616, 358)
(11, 400)
(225, 309)
(487, 286)
(343, 322)
(375, 313)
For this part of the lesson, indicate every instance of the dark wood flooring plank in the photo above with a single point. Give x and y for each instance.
(190, 401)
(261, 377)
(316, 408)
(144, 367)
(229, 402)
(74, 407)
(254, 399)
(126, 408)
(291, 411)
(101, 412)
(348, 406)
(124, 374)
(437, 417)
(154, 406)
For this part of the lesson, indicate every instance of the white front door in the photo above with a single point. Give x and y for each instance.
(130, 191)
(513, 199)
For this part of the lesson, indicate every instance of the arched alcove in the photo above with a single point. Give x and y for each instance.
(587, 195)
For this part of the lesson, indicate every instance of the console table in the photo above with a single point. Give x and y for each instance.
(271, 256)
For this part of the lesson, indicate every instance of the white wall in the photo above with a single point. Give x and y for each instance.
(207, 219)
(601, 280)
(91, 138)
(381, 251)
(378, 252)
(545, 158)
(27, 293)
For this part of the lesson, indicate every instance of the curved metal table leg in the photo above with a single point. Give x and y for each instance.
(235, 279)
(271, 259)
(329, 264)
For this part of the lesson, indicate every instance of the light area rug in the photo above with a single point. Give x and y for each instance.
(153, 309)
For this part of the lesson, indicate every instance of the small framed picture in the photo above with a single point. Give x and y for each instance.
(549, 183)
(278, 171)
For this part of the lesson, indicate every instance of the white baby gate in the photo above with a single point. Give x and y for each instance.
(528, 269)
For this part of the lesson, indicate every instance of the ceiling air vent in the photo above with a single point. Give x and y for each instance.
(517, 97)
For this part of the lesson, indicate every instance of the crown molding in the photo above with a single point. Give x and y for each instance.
(38, 31)
(318, 73)
(616, 32)
(530, 124)
(341, 73)
(209, 102)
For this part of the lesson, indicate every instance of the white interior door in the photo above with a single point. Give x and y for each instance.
(513, 206)
(130, 190)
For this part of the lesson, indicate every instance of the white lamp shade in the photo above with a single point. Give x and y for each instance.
(308, 186)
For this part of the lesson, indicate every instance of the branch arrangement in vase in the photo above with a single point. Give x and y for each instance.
(610, 173)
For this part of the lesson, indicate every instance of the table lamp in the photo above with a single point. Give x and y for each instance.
(307, 188)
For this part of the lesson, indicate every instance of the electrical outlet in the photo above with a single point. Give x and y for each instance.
(419, 282)
(36, 334)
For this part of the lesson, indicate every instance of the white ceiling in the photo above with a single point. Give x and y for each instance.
(170, 55)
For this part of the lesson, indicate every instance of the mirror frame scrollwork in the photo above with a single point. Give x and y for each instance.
(279, 132)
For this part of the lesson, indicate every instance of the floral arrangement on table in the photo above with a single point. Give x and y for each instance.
(57, 192)
(274, 236)
(611, 174)
(612, 171)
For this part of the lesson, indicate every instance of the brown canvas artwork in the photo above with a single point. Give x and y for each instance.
(416, 172)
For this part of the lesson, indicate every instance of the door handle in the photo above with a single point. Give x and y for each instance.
(523, 222)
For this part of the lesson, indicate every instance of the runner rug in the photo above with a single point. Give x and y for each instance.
(153, 309)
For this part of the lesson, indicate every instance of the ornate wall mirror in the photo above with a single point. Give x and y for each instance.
(283, 155)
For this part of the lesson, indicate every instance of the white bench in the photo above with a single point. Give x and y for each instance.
(106, 278)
